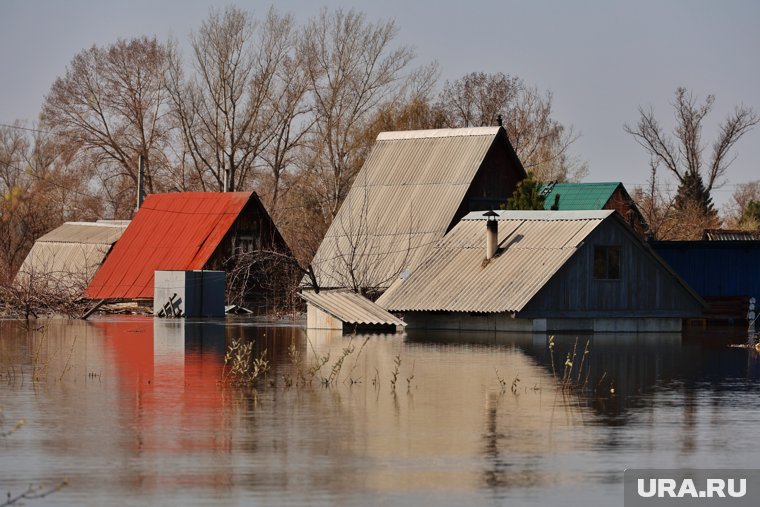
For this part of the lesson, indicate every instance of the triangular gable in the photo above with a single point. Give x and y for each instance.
(178, 231)
(402, 202)
(67, 257)
(533, 246)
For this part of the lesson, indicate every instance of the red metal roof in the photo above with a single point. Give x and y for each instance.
(178, 231)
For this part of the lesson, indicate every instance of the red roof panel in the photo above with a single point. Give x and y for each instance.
(178, 231)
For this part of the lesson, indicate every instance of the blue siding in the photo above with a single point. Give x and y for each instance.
(715, 268)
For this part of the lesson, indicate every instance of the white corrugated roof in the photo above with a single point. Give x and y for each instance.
(427, 134)
(401, 203)
(70, 255)
(67, 266)
(101, 233)
(533, 246)
(542, 215)
(351, 308)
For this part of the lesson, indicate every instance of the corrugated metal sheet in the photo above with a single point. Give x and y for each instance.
(70, 255)
(533, 246)
(400, 204)
(101, 233)
(351, 308)
(580, 196)
(62, 265)
(715, 268)
(730, 235)
(178, 231)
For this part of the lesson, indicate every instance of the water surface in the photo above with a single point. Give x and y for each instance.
(131, 411)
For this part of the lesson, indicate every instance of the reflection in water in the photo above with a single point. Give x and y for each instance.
(131, 411)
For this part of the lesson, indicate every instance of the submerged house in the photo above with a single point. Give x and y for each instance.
(723, 268)
(67, 258)
(414, 187)
(543, 271)
(346, 311)
(594, 196)
(182, 232)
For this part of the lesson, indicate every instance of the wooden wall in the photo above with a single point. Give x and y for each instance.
(495, 181)
(254, 221)
(646, 288)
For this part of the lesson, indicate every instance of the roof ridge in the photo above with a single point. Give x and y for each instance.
(438, 133)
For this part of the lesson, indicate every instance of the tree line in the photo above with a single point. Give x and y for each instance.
(251, 103)
(291, 110)
(683, 212)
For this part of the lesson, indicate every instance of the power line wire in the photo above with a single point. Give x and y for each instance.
(28, 129)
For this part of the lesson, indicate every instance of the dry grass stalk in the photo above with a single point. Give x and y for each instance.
(240, 367)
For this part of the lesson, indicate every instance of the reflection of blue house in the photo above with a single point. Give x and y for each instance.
(725, 273)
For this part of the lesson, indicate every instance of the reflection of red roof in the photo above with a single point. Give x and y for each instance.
(178, 231)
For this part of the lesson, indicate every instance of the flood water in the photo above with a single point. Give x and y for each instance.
(131, 411)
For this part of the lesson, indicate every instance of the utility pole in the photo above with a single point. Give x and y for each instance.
(140, 182)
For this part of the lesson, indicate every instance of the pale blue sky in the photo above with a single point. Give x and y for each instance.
(601, 59)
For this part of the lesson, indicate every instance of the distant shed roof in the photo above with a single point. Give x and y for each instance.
(579, 196)
(178, 231)
(730, 235)
(69, 255)
(533, 246)
(351, 308)
(402, 202)
(103, 233)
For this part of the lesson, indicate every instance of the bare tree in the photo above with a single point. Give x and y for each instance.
(411, 109)
(736, 209)
(225, 110)
(110, 107)
(29, 205)
(682, 152)
(36, 292)
(266, 277)
(477, 99)
(292, 118)
(541, 142)
(656, 205)
(14, 148)
(665, 218)
(360, 259)
(352, 69)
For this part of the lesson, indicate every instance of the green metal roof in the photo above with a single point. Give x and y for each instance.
(580, 196)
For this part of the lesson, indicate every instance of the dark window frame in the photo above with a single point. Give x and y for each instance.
(607, 264)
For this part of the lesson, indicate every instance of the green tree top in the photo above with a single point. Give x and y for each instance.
(751, 215)
(527, 195)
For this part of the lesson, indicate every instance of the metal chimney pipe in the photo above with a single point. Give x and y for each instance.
(140, 181)
(492, 233)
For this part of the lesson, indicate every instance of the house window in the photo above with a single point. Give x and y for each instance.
(246, 243)
(607, 262)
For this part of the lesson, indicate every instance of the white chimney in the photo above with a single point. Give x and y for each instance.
(492, 233)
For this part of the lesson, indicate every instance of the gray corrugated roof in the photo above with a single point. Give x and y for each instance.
(69, 256)
(533, 246)
(730, 235)
(65, 265)
(400, 204)
(351, 308)
(427, 134)
(101, 233)
(541, 215)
